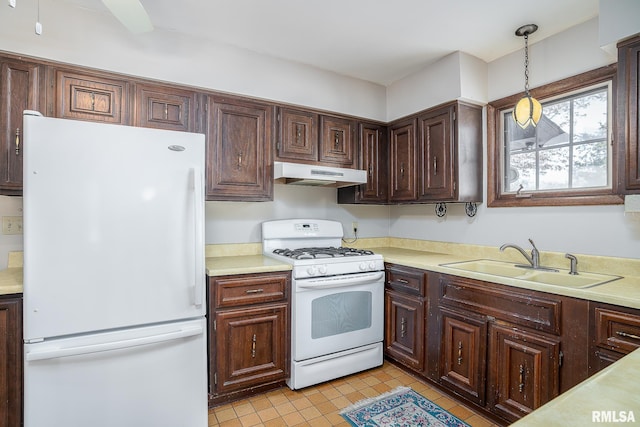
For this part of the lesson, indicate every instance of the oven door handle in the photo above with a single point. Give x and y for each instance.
(340, 281)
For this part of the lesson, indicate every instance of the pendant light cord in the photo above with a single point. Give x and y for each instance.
(526, 64)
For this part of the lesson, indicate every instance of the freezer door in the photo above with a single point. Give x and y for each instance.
(113, 226)
(152, 376)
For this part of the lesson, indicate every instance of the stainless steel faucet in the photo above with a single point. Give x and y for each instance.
(534, 259)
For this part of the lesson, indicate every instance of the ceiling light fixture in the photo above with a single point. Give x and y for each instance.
(528, 110)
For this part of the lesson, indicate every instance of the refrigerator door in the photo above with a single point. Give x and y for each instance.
(113, 226)
(150, 376)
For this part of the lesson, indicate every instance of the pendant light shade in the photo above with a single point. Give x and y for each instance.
(528, 110)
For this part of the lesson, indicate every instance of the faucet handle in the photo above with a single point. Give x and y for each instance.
(533, 244)
(574, 263)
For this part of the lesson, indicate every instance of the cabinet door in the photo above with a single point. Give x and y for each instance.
(402, 147)
(91, 97)
(629, 110)
(163, 107)
(337, 141)
(437, 152)
(251, 347)
(239, 162)
(463, 353)
(297, 135)
(19, 91)
(523, 371)
(404, 329)
(10, 362)
(373, 152)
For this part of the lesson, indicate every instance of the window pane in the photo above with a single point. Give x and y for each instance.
(522, 171)
(590, 117)
(590, 165)
(555, 125)
(554, 168)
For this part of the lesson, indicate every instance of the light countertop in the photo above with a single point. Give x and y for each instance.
(11, 281)
(245, 264)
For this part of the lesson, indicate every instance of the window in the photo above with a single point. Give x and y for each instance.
(568, 158)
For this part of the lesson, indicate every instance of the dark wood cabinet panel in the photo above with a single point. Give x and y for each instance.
(19, 90)
(10, 361)
(337, 141)
(628, 113)
(614, 332)
(297, 135)
(404, 330)
(251, 347)
(239, 161)
(523, 371)
(463, 354)
(436, 153)
(249, 333)
(95, 97)
(373, 157)
(403, 162)
(164, 107)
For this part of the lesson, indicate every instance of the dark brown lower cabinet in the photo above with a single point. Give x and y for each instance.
(523, 371)
(249, 345)
(614, 331)
(10, 361)
(463, 354)
(404, 333)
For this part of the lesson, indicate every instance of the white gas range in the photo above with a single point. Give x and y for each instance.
(337, 299)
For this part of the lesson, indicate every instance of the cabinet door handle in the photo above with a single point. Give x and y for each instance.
(93, 101)
(626, 335)
(435, 166)
(521, 379)
(403, 327)
(166, 111)
(370, 171)
(254, 291)
(337, 139)
(253, 346)
(401, 169)
(17, 141)
(459, 352)
(240, 160)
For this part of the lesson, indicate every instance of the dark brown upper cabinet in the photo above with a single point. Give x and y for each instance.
(239, 162)
(20, 89)
(373, 157)
(337, 141)
(403, 163)
(628, 105)
(297, 136)
(165, 107)
(97, 97)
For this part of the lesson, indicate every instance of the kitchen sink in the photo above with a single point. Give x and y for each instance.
(556, 278)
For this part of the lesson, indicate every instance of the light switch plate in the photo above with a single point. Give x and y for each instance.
(11, 225)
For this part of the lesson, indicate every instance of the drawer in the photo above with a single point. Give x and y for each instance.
(525, 308)
(617, 331)
(405, 279)
(234, 291)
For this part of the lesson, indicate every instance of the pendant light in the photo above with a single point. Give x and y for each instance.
(528, 110)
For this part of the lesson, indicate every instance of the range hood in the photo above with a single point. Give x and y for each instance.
(325, 176)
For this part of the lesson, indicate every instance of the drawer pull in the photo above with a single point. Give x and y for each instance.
(521, 379)
(626, 335)
(254, 291)
(253, 346)
(404, 282)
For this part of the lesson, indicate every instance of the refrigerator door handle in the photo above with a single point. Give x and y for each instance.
(54, 353)
(195, 184)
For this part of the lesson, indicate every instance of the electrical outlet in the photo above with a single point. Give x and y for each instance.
(12, 3)
(11, 225)
(354, 227)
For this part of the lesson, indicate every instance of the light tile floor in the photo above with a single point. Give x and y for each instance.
(320, 405)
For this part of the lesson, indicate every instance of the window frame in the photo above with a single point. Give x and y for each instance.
(570, 197)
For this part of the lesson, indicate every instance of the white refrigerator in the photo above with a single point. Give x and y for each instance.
(114, 276)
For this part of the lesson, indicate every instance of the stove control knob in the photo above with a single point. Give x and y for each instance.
(363, 266)
(372, 265)
(312, 271)
(322, 269)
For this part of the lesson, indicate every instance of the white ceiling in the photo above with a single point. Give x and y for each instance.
(376, 40)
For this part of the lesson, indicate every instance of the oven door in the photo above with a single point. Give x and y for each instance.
(332, 314)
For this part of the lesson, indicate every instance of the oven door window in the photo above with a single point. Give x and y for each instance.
(339, 313)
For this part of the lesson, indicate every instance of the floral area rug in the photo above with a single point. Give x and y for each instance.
(401, 407)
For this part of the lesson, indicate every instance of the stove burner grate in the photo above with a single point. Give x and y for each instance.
(314, 253)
